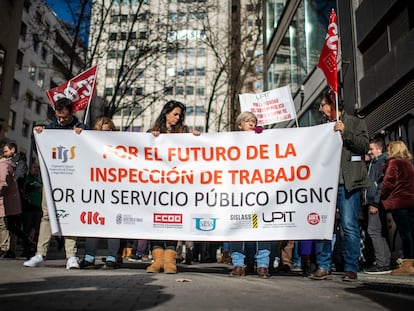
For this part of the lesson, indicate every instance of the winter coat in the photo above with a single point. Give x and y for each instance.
(355, 145)
(398, 186)
(9, 192)
(376, 176)
(75, 123)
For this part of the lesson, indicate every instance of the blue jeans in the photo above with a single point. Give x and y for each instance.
(262, 255)
(348, 204)
(91, 244)
(404, 219)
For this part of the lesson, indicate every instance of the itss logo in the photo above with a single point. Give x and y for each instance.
(205, 224)
(62, 153)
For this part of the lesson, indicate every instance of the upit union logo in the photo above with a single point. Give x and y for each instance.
(63, 153)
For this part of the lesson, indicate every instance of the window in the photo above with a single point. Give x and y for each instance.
(23, 31)
(140, 73)
(110, 73)
(189, 90)
(201, 71)
(29, 100)
(19, 60)
(41, 79)
(36, 43)
(123, 36)
(200, 90)
(112, 36)
(25, 128)
(142, 34)
(124, 18)
(108, 91)
(169, 90)
(38, 108)
(139, 91)
(259, 68)
(44, 53)
(16, 88)
(199, 110)
(128, 91)
(12, 119)
(132, 35)
(179, 90)
(32, 72)
(112, 54)
(114, 19)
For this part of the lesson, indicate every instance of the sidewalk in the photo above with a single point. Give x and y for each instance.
(198, 287)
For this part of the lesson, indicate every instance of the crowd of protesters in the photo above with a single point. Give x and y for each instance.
(375, 187)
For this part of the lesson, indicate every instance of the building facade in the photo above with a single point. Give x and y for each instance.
(149, 52)
(10, 17)
(375, 61)
(42, 62)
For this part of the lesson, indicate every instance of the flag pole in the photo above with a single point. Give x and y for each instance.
(90, 98)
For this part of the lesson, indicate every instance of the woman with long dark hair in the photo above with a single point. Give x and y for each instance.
(170, 120)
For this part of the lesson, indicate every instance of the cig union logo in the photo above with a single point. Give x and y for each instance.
(63, 153)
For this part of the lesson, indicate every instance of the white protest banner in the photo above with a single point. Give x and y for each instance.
(277, 185)
(269, 107)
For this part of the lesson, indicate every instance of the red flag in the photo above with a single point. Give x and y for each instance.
(79, 89)
(327, 59)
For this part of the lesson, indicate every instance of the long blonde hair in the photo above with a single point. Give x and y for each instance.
(398, 150)
(104, 120)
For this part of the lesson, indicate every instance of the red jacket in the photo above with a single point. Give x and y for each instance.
(398, 186)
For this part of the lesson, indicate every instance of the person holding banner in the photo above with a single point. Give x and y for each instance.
(64, 120)
(247, 121)
(91, 244)
(353, 178)
(170, 120)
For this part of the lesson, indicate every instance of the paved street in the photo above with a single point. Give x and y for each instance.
(195, 287)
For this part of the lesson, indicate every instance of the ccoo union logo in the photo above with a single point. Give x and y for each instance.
(313, 218)
(63, 153)
(92, 218)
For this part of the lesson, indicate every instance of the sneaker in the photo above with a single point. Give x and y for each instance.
(377, 270)
(136, 258)
(35, 261)
(110, 265)
(296, 269)
(72, 263)
(86, 264)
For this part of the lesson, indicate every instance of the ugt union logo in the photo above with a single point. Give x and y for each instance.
(63, 154)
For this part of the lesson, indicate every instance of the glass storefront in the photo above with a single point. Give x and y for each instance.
(299, 51)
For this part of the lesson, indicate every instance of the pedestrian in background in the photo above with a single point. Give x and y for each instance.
(397, 196)
(377, 226)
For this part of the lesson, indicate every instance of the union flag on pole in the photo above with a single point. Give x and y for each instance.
(327, 60)
(79, 89)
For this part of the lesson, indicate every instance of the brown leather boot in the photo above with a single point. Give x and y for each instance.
(170, 263)
(158, 264)
(406, 267)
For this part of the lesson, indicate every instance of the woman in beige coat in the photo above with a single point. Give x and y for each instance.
(10, 204)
